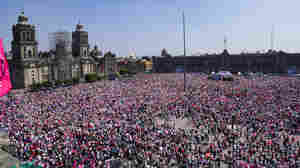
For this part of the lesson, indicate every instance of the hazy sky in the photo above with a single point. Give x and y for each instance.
(147, 26)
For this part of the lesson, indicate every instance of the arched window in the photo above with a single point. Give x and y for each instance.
(85, 53)
(23, 38)
(29, 54)
(33, 52)
(25, 51)
(28, 36)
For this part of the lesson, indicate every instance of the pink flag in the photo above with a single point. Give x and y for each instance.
(108, 164)
(269, 142)
(5, 84)
(74, 164)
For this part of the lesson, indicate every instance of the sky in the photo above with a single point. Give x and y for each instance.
(147, 26)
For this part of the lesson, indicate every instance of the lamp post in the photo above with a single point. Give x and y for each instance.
(232, 141)
(105, 56)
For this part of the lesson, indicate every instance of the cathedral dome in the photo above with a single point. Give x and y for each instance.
(79, 27)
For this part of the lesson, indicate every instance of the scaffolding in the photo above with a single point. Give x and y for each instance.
(61, 38)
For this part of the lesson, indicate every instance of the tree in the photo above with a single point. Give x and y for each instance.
(109, 54)
(91, 77)
(146, 58)
(95, 52)
(164, 53)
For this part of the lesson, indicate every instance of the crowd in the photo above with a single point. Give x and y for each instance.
(248, 122)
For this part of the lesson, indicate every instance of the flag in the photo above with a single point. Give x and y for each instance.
(5, 84)
(269, 142)
(207, 155)
(74, 164)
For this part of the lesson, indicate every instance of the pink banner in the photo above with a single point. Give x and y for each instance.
(5, 83)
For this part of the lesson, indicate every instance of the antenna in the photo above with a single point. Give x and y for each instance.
(103, 49)
(225, 43)
(134, 53)
(272, 38)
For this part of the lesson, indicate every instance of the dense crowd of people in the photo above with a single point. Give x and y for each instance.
(252, 121)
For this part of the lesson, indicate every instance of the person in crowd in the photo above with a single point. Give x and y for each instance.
(247, 123)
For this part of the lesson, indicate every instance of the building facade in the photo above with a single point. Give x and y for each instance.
(28, 66)
(271, 62)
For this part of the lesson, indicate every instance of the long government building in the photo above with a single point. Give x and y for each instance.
(271, 62)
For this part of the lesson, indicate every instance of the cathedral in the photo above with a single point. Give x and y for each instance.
(28, 66)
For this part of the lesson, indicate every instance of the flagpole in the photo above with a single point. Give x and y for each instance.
(184, 50)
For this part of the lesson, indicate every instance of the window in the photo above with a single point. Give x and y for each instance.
(33, 52)
(23, 36)
(28, 36)
(25, 51)
(29, 53)
(85, 53)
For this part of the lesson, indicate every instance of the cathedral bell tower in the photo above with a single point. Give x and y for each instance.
(24, 44)
(80, 42)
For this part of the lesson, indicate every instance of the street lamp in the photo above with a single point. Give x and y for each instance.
(105, 60)
(233, 140)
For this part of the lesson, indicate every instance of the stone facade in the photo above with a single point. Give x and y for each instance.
(28, 66)
(132, 65)
(110, 67)
(271, 62)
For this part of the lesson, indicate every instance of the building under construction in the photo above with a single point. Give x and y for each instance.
(60, 37)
